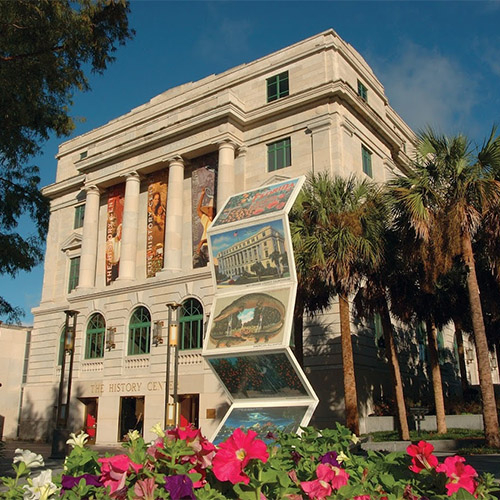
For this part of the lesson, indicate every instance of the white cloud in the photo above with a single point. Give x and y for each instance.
(427, 88)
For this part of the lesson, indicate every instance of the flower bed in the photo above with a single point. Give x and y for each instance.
(182, 464)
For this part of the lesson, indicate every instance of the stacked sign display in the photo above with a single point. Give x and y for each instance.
(248, 339)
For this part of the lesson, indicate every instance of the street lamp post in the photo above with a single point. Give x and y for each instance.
(171, 410)
(61, 432)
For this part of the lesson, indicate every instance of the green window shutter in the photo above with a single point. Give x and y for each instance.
(191, 325)
(79, 216)
(74, 273)
(139, 338)
(279, 155)
(277, 87)
(366, 156)
(95, 337)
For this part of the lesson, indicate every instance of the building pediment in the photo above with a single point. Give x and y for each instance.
(72, 242)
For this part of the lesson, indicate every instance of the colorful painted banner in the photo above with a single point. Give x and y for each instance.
(116, 199)
(203, 207)
(155, 235)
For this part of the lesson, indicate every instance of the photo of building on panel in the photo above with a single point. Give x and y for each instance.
(252, 254)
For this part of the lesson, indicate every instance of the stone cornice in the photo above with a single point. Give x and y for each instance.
(58, 189)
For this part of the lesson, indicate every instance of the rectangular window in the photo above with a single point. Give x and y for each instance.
(367, 161)
(362, 91)
(277, 86)
(79, 216)
(74, 273)
(279, 155)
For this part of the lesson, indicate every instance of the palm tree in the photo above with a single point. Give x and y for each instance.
(374, 298)
(444, 199)
(343, 236)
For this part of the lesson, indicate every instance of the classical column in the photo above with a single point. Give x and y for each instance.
(173, 220)
(88, 256)
(128, 248)
(225, 174)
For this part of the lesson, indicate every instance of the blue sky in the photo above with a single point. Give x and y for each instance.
(439, 63)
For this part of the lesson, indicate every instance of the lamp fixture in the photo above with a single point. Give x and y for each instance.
(110, 338)
(157, 333)
(469, 355)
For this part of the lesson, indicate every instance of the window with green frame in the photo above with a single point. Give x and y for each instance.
(139, 332)
(362, 91)
(191, 325)
(366, 156)
(74, 273)
(277, 86)
(378, 331)
(79, 216)
(95, 337)
(279, 154)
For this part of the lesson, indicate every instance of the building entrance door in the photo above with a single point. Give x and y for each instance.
(90, 421)
(189, 409)
(131, 415)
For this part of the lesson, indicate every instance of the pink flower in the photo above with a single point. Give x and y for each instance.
(329, 478)
(114, 472)
(235, 453)
(145, 489)
(362, 497)
(422, 456)
(460, 475)
(204, 450)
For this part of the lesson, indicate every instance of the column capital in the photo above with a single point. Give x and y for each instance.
(177, 159)
(228, 144)
(92, 189)
(129, 176)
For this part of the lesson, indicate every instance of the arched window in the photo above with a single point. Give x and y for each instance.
(139, 332)
(94, 342)
(191, 325)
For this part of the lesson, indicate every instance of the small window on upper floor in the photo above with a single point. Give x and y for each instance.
(79, 216)
(74, 273)
(366, 156)
(277, 86)
(362, 91)
(279, 154)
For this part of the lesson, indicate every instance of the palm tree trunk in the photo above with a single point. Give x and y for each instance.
(490, 415)
(397, 384)
(461, 355)
(437, 384)
(350, 394)
(298, 329)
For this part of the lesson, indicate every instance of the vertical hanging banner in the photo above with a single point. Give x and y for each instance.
(116, 199)
(248, 339)
(203, 182)
(155, 237)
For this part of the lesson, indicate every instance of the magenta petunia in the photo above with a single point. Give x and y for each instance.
(69, 482)
(459, 474)
(114, 473)
(234, 454)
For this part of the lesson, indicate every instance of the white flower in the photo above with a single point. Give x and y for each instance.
(158, 430)
(355, 439)
(77, 441)
(342, 457)
(41, 488)
(29, 458)
(133, 435)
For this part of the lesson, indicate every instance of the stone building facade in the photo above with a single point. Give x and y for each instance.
(168, 164)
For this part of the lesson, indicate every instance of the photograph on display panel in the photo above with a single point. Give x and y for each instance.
(262, 201)
(248, 320)
(263, 421)
(252, 254)
(259, 376)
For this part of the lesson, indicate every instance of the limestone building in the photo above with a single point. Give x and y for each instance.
(129, 211)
